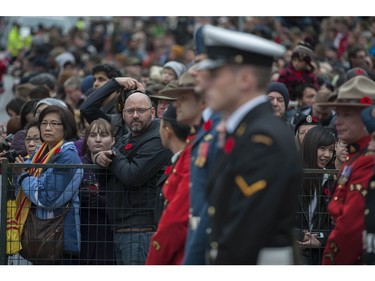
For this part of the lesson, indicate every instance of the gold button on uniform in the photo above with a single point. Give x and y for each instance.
(211, 211)
(335, 198)
(214, 245)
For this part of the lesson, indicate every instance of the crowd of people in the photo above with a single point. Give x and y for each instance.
(202, 136)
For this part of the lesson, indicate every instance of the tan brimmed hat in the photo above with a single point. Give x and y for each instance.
(160, 95)
(357, 92)
(185, 84)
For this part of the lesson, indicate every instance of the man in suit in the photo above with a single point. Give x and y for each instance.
(252, 192)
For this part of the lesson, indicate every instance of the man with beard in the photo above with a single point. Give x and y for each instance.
(135, 162)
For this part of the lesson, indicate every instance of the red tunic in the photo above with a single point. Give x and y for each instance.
(347, 206)
(168, 242)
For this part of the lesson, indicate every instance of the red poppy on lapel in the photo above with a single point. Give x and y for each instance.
(168, 170)
(207, 125)
(326, 191)
(128, 146)
(229, 144)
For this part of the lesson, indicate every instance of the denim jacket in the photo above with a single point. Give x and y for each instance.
(54, 189)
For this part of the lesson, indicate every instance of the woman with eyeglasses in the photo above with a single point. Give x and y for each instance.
(48, 189)
(32, 137)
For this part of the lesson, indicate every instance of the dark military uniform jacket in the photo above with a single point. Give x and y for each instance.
(203, 155)
(252, 192)
(347, 207)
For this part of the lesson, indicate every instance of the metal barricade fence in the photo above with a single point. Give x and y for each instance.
(96, 235)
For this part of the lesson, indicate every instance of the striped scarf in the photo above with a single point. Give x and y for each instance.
(39, 158)
(18, 213)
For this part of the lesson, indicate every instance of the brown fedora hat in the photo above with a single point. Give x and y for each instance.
(160, 95)
(185, 84)
(357, 92)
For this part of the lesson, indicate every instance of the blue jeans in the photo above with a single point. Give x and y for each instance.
(132, 248)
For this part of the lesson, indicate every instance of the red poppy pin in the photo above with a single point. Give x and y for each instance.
(314, 119)
(168, 170)
(359, 71)
(229, 144)
(57, 150)
(207, 125)
(326, 191)
(128, 146)
(365, 100)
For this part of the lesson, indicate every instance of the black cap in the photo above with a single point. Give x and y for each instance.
(305, 120)
(170, 114)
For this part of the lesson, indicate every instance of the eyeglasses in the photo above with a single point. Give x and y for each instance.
(52, 124)
(131, 111)
(35, 139)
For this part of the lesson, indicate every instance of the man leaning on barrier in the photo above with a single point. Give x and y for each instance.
(135, 162)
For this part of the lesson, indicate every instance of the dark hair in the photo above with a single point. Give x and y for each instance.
(40, 92)
(33, 123)
(180, 130)
(316, 137)
(28, 107)
(44, 79)
(13, 125)
(352, 52)
(300, 88)
(110, 70)
(67, 118)
(15, 104)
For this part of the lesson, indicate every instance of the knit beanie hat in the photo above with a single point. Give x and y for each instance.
(177, 67)
(280, 88)
(50, 101)
(64, 58)
(353, 72)
(304, 52)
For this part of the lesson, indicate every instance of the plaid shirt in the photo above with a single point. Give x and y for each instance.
(292, 78)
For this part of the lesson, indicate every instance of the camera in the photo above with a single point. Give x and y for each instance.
(5, 143)
(11, 155)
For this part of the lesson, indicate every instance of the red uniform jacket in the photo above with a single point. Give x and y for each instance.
(347, 206)
(168, 242)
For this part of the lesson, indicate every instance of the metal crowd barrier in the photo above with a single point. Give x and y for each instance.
(90, 239)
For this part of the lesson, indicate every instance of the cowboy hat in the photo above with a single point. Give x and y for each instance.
(357, 92)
